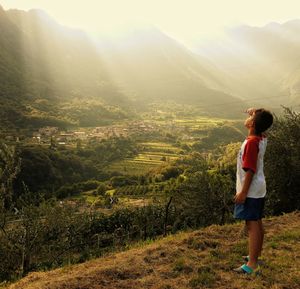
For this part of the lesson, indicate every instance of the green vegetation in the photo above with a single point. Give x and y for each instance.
(67, 202)
(189, 190)
(152, 155)
(54, 172)
(282, 164)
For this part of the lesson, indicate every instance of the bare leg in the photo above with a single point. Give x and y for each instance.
(262, 235)
(255, 242)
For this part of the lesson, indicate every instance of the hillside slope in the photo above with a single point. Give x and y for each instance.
(151, 66)
(260, 62)
(52, 75)
(199, 259)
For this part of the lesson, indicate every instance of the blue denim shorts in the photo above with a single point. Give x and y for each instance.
(251, 210)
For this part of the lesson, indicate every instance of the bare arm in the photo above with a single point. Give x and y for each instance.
(240, 197)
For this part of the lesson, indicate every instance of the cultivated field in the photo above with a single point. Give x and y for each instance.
(151, 156)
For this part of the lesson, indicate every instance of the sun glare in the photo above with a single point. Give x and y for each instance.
(189, 21)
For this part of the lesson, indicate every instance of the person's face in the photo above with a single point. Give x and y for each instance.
(249, 122)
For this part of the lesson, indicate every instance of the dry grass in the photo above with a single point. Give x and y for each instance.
(199, 259)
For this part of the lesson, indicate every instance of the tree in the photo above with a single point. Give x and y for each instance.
(282, 164)
(171, 172)
(204, 198)
(9, 169)
(101, 189)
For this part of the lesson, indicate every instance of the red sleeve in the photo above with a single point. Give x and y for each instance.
(250, 155)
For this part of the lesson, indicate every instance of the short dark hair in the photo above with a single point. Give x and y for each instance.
(263, 119)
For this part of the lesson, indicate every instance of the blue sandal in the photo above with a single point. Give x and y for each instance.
(245, 269)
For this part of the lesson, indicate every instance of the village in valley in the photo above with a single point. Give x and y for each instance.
(48, 134)
(186, 129)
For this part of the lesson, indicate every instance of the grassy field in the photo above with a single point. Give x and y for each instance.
(198, 259)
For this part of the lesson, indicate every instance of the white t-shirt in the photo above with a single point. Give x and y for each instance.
(251, 157)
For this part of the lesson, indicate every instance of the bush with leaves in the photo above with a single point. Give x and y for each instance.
(204, 198)
(282, 164)
(51, 235)
(9, 168)
(101, 189)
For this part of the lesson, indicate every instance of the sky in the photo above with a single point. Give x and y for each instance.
(189, 21)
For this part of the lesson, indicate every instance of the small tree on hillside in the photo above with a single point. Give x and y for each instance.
(101, 189)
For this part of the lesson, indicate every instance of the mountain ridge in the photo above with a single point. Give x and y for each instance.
(45, 70)
(47, 51)
(261, 61)
(48, 71)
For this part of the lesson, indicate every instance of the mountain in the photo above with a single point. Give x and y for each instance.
(55, 75)
(198, 259)
(48, 71)
(11, 73)
(262, 63)
(62, 58)
(151, 66)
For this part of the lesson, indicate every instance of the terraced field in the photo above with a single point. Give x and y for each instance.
(155, 154)
(152, 155)
(197, 123)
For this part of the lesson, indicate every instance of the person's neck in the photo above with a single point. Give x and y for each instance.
(251, 132)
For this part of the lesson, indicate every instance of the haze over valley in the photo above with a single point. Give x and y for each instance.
(49, 71)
